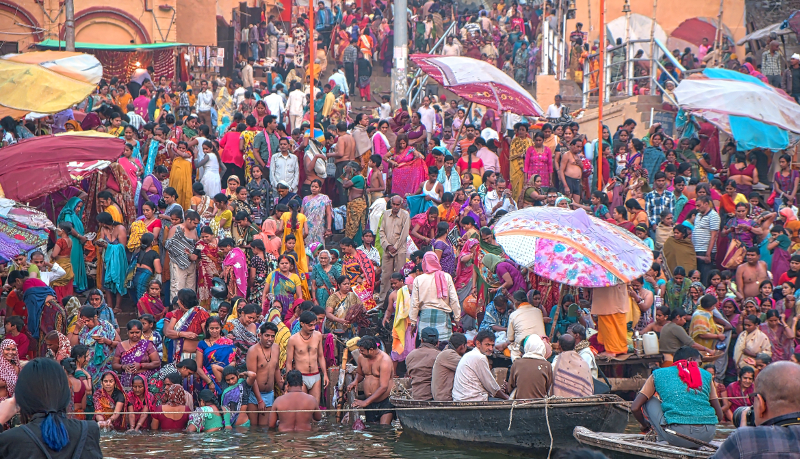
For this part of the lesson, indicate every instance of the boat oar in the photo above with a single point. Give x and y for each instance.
(693, 440)
(341, 383)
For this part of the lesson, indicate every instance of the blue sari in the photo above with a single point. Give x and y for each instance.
(115, 268)
(68, 214)
(221, 353)
(152, 152)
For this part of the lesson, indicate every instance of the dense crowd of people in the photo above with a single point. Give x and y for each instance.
(256, 247)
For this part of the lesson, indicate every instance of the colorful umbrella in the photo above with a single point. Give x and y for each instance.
(571, 247)
(41, 165)
(755, 113)
(479, 82)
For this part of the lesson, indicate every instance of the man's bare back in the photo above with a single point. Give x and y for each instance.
(294, 399)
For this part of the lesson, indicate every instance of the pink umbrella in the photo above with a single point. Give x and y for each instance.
(479, 82)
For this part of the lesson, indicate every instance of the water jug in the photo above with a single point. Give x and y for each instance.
(650, 340)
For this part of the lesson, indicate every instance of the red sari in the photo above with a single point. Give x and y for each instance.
(409, 173)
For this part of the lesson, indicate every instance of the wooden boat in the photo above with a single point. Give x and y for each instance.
(531, 425)
(625, 446)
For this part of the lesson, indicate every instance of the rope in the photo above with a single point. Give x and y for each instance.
(426, 408)
(549, 432)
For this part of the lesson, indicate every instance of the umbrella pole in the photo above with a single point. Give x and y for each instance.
(455, 143)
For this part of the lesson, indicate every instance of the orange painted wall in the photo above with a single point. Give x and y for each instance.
(669, 13)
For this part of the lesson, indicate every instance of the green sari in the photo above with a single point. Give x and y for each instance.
(484, 279)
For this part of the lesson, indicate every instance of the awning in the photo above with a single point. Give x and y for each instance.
(778, 28)
(55, 44)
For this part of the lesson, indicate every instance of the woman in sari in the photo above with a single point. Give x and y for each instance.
(150, 302)
(246, 144)
(234, 268)
(360, 271)
(208, 265)
(61, 254)
(236, 394)
(323, 279)
(702, 329)
(317, 209)
(483, 280)
(73, 213)
(9, 368)
(283, 335)
(780, 335)
(135, 356)
(416, 133)
(152, 187)
(209, 417)
(98, 336)
(261, 264)
(474, 209)
(519, 146)
(109, 401)
(148, 265)
(295, 223)
(180, 176)
(339, 306)
(739, 391)
(214, 350)
(751, 342)
(139, 400)
(272, 243)
(283, 284)
(677, 291)
(408, 168)
(202, 203)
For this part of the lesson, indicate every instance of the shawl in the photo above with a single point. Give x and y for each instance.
(402, 308)
(272, 243)
(689, 373)
(68, 214)
(431, 265)
(237, 263)
(367, 268)
(571, 376)
(679, 253)
(702, 323)
(34, 296)
(152, 152)
(363, 142)
(534, 347)
(242, 334)
(148, 403)
(675, 296)
(8, 371)
(756, 341)
(149, 305)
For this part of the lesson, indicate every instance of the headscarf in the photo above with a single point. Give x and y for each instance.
(174, 395)
(35, 293)
(72, 310)
(64, 348)
(223, 126)
(76, 125)
(430, 264)
(491, 261)
(788, 214)
(272, 244)
(8, 371)
(689, 373)
(562, 198)
(534, 347)
(149, 402)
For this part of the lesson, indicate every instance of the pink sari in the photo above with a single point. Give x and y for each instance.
(130, 169)
(235, 272)
(409, 174)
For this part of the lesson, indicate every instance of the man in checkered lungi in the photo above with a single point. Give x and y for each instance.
(434, 300)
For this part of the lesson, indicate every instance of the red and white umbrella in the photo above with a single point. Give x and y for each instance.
(479, 82)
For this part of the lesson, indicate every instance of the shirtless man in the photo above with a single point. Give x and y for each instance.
(344, 153)
(570, 170)
(376, 185)
(375, 369)
(750, 274)
(262, 359)
(295, 398)
(304, 353)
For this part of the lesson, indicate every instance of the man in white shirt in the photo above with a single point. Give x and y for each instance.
(295, 105)
(133, 118)
(238, 92)
(48, 272)
(474, 381)
(451, 48)
(340, 80)
(385, 109)
(488, 132)
(284, 167)
(275, 103)
(554, 110)
(499, 199)
(427, 116)
(247, 74)
(203, 104)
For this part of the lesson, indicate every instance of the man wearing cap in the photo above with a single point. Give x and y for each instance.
(419, 364)
(791, 77)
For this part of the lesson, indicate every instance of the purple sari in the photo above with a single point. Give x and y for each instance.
(136, 354)
(144, 196)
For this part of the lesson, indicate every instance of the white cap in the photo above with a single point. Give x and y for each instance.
(796, 56)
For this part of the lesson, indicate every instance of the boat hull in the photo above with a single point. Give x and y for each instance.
(629, 446)
(520, 424)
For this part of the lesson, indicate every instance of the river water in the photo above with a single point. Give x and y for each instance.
(331, 440)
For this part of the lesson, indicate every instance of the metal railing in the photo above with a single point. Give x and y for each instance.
(416, 88)
(553, 52)
(620, 71)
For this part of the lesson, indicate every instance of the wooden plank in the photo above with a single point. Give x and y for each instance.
(626, 384)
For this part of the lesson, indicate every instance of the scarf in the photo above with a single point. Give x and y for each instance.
(431, 265)
(679, 253)
(34, 296)
(148, 402)
(174, 395)
(534, 347)
(689, 373)
(402, 308)
(8, 370)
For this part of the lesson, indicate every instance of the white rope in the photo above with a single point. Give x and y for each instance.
(547, 418)
(511, 414)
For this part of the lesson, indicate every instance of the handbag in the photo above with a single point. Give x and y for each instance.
(735, 254)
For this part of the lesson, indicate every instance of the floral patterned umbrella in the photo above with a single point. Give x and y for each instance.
(571, 247)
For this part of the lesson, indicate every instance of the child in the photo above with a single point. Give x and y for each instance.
(641, 232)
(664, 229)
(714, 278)
(599, 207)
(259, 210)
(288, 245)
(385, 109)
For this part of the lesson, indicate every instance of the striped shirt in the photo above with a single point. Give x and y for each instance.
(771, 63)
(177, 247)
(703, 226)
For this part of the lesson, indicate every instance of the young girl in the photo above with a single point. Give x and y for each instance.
(599, 207)
(641, 232)
(765, 296)
(714, 278)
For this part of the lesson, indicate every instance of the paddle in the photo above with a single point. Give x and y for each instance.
(693, 440)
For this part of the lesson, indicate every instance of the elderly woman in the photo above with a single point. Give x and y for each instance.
(751, 342)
